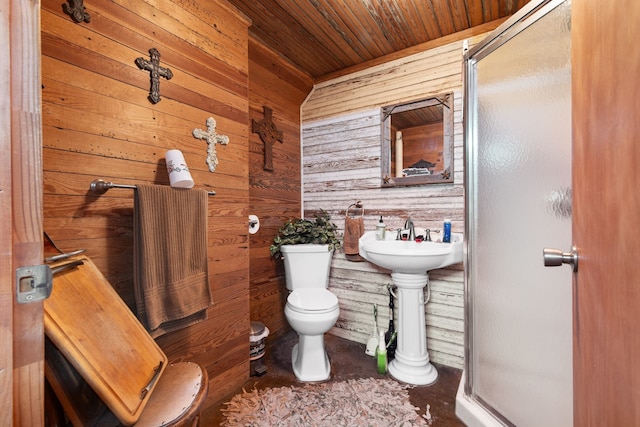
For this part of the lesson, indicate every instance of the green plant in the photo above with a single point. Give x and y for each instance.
(319, 231)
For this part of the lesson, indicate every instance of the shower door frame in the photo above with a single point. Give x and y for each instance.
(527, 16)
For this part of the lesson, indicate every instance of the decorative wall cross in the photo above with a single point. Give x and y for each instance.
(269, 134)
(156, 72)
(76, 10)
(212, 139)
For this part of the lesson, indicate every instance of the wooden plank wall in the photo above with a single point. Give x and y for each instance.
(98, 123)
(274, 196)
(341, 131)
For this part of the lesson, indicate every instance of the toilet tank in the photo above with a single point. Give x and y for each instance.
(306, 266)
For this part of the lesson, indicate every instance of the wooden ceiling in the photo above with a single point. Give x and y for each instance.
(322, 37)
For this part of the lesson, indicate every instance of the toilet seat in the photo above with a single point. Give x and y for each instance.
(312, 300)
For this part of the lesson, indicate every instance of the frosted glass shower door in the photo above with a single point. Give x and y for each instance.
(519, 314)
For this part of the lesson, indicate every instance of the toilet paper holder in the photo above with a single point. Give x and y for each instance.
(254, 224)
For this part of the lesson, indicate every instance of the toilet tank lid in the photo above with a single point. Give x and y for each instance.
(312, 299)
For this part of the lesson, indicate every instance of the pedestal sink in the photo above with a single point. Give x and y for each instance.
(409, 262)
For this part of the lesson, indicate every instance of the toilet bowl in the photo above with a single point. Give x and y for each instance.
(311, 308)
(311, 312)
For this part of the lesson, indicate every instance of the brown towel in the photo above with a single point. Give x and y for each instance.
(170, 257)
(353, 230)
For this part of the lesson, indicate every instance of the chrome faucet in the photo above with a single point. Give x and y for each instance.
(408, 225)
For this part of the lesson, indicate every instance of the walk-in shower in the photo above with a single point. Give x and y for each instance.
(518, 328)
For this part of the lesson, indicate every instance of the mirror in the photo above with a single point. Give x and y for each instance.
(417, 142)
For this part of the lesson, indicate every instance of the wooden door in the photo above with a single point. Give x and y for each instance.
(606, 229)
(21, 325)
(6, 276)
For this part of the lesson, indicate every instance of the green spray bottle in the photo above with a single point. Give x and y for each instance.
(381, 354)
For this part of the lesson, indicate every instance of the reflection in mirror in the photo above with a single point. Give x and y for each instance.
(417, 142)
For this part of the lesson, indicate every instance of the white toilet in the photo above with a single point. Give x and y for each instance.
(311, 309)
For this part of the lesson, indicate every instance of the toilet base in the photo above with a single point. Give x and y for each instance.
(309, 359)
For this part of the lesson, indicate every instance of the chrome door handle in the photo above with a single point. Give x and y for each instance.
(555, 258)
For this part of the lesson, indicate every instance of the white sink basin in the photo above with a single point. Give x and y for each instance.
(409, 263)
(407, 256)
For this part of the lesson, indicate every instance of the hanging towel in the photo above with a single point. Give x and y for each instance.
(353, 230)
(170, 257)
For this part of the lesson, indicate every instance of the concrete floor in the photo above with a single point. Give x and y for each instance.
(348, 361)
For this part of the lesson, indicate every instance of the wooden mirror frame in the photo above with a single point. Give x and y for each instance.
(440, 176)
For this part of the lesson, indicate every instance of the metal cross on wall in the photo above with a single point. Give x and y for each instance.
(269, 134)
(156, 72)
(76, 10)
(212, 139)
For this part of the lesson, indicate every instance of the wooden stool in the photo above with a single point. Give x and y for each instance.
(103, 366)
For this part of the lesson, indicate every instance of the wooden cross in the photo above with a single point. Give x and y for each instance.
(212, 138)
(269, 134)
(156, 72)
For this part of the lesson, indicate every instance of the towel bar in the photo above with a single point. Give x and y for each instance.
(100, 186)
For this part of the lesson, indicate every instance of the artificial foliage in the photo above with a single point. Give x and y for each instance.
(301, 231)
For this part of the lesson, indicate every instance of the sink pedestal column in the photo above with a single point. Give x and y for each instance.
(411, 363)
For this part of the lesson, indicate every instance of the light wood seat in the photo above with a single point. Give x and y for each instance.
(103, 366)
